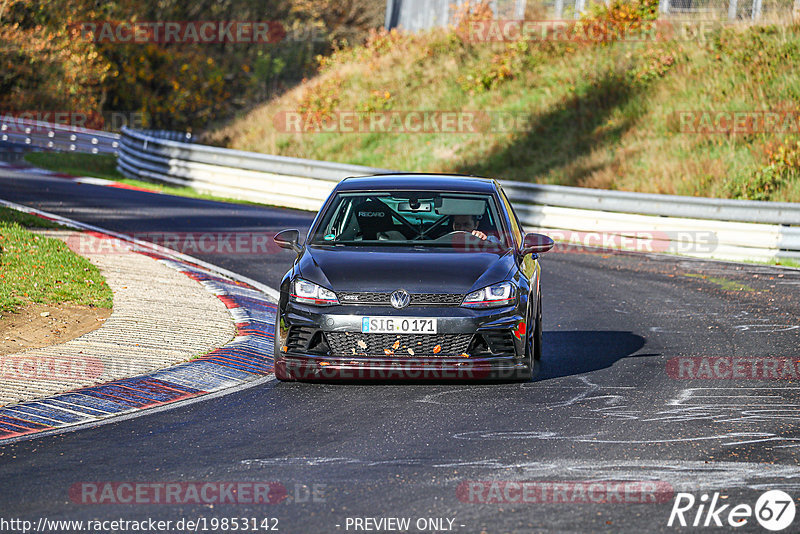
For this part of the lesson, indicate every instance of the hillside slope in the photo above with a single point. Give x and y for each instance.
(618, 114)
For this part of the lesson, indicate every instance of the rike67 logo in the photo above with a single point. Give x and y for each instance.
(774, 510)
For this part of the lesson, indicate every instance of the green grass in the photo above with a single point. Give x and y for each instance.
(723, 283)
(39, 269)
(590, 115)
(780, 262)
(9, 216)
(788, 263)
(105, 166)
(97, 165)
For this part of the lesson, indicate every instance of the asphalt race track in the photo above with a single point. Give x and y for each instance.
(611, 404)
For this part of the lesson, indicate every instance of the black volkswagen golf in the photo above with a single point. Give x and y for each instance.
(416, 277)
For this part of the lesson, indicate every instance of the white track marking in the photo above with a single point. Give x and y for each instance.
(683, 475)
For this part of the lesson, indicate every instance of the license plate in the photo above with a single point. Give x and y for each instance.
(398, 325)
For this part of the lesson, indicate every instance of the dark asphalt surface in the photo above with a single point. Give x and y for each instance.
(603, 408)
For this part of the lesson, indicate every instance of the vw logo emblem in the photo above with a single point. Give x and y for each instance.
(400, 298)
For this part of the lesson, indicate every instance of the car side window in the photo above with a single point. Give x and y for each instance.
(516, 227)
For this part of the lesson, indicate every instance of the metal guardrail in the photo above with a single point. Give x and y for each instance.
(61, 137)
(702, 227)
(278, 180)
(716, 209)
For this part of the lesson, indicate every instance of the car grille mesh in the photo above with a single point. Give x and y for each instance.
(398, 345)
(417, 299)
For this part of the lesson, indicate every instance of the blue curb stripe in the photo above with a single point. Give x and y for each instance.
(248, 301)
(45, 411)
(82, 399)
(251, 355)
(29, 417)
(12, 430)
(21, 423)
(249, 368)
(221, 371)
(262, 316)
(158, 389)
(116, 394)
(247, 357)
(82, 406)
(154, 396)
(194, 375)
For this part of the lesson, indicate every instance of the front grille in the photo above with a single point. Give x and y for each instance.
(398, 345)
(417, 299)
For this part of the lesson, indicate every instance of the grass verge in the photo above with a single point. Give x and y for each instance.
(77, 164)
(625, 115)
(35, 268)
(724, 283)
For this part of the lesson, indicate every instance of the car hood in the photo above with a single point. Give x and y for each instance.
(419, 270)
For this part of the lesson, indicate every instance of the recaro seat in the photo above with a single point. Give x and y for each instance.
(375, 221)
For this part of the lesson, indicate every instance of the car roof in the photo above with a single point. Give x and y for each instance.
(418, 182)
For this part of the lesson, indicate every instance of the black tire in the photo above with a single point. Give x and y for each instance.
(279, 369)
(537, 332)
(533, 346)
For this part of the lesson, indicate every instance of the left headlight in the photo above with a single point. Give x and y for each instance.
(501, 294)
(310, 293)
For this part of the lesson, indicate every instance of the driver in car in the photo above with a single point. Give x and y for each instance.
(468, 223)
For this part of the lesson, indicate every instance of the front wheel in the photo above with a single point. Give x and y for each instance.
(280, 364)
(537, 332)
(533, 345)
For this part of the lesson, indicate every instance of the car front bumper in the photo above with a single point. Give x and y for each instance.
(314, 343)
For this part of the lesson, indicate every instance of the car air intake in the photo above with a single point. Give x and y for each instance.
(398, 345)
(307, 339)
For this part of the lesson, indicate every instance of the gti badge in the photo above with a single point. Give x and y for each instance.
(400, 298)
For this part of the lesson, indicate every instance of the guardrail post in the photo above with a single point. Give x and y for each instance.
(756, 9)
(732, 7)
(579, 6)
(519, 9)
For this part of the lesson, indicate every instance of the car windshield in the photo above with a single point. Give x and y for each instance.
(412, 218)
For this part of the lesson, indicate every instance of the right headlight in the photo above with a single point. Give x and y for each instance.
(310, 293)
(493, 296)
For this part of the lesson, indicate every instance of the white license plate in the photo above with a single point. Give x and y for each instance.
(398, 325)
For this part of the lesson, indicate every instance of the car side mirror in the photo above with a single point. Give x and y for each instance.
(536, 243)
(289, 239)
